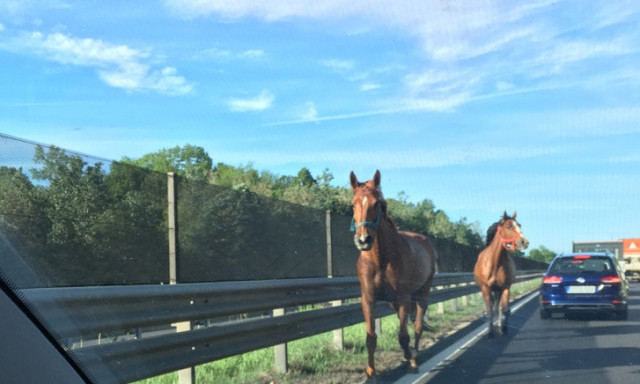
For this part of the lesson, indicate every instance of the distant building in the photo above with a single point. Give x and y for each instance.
(615, 247)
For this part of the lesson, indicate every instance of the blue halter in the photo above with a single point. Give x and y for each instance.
(373, 224)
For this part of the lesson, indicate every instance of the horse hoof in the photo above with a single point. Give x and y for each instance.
(413, 363)
(505, 329)
(371, 372)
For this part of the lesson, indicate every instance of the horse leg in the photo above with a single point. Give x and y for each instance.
(368, 310)
(505, 310)
(404, 307)
(488, 303)
(498, 303)
(422, 303)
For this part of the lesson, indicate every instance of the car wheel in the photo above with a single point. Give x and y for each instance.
(544, 314)
(622, 314)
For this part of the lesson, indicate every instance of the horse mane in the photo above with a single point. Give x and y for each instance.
(493, 229)
(383, 206)
(491, 232)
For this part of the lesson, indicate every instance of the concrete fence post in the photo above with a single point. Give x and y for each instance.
(338, 334)
(187, 375)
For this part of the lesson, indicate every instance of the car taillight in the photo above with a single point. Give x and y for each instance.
(552, 280)
(611, 280)
(582, 257)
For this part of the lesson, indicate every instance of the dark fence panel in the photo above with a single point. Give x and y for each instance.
(455, 257)
(77, 220)
(227, 234)
(343, 251)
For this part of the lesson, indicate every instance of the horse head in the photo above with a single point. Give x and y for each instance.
(368, 208)
(510, 233)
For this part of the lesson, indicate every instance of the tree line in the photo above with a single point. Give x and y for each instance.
(78, 221)
(194, 163)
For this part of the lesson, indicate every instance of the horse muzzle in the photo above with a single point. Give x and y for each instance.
(522, 243)
(363, 242)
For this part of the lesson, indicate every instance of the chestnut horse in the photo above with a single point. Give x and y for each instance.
(495, 269)
(395, 266)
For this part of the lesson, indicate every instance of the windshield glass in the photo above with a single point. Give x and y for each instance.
(178, 178)
(571, 266)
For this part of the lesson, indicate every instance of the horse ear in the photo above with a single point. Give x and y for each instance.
(514, 215)
(376, 178)
(354, 180)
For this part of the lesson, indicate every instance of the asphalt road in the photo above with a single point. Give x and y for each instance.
(580, 349)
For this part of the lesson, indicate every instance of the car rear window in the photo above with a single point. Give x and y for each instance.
(577, 265)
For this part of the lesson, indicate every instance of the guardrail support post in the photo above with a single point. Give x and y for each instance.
(465, 299)
(338, 334)
(281, 363)
(454, 301)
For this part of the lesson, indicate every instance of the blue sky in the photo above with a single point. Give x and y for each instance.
(478, 106)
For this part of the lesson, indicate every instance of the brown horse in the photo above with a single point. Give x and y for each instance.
(394, 265)
(495, 270)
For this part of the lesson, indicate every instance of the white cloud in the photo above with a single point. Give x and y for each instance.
(268, 10)
(403, 105)
(564, 53)
(434, 104)
(474, 50)
(311, 114)
(339, 66)
(227, 55)
(369, 86)
(449, 30)
(117, 65)
(259, 103)
(251, 54)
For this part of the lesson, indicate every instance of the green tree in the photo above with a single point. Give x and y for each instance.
(189, 161)
(304, 178)
(22, 219)
(542, 254)
(74, 194)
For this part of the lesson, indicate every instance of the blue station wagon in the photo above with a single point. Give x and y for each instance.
(592, 282)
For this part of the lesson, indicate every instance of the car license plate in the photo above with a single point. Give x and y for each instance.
(581, 289)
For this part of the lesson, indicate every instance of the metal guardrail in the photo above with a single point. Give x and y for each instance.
(85, 312)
